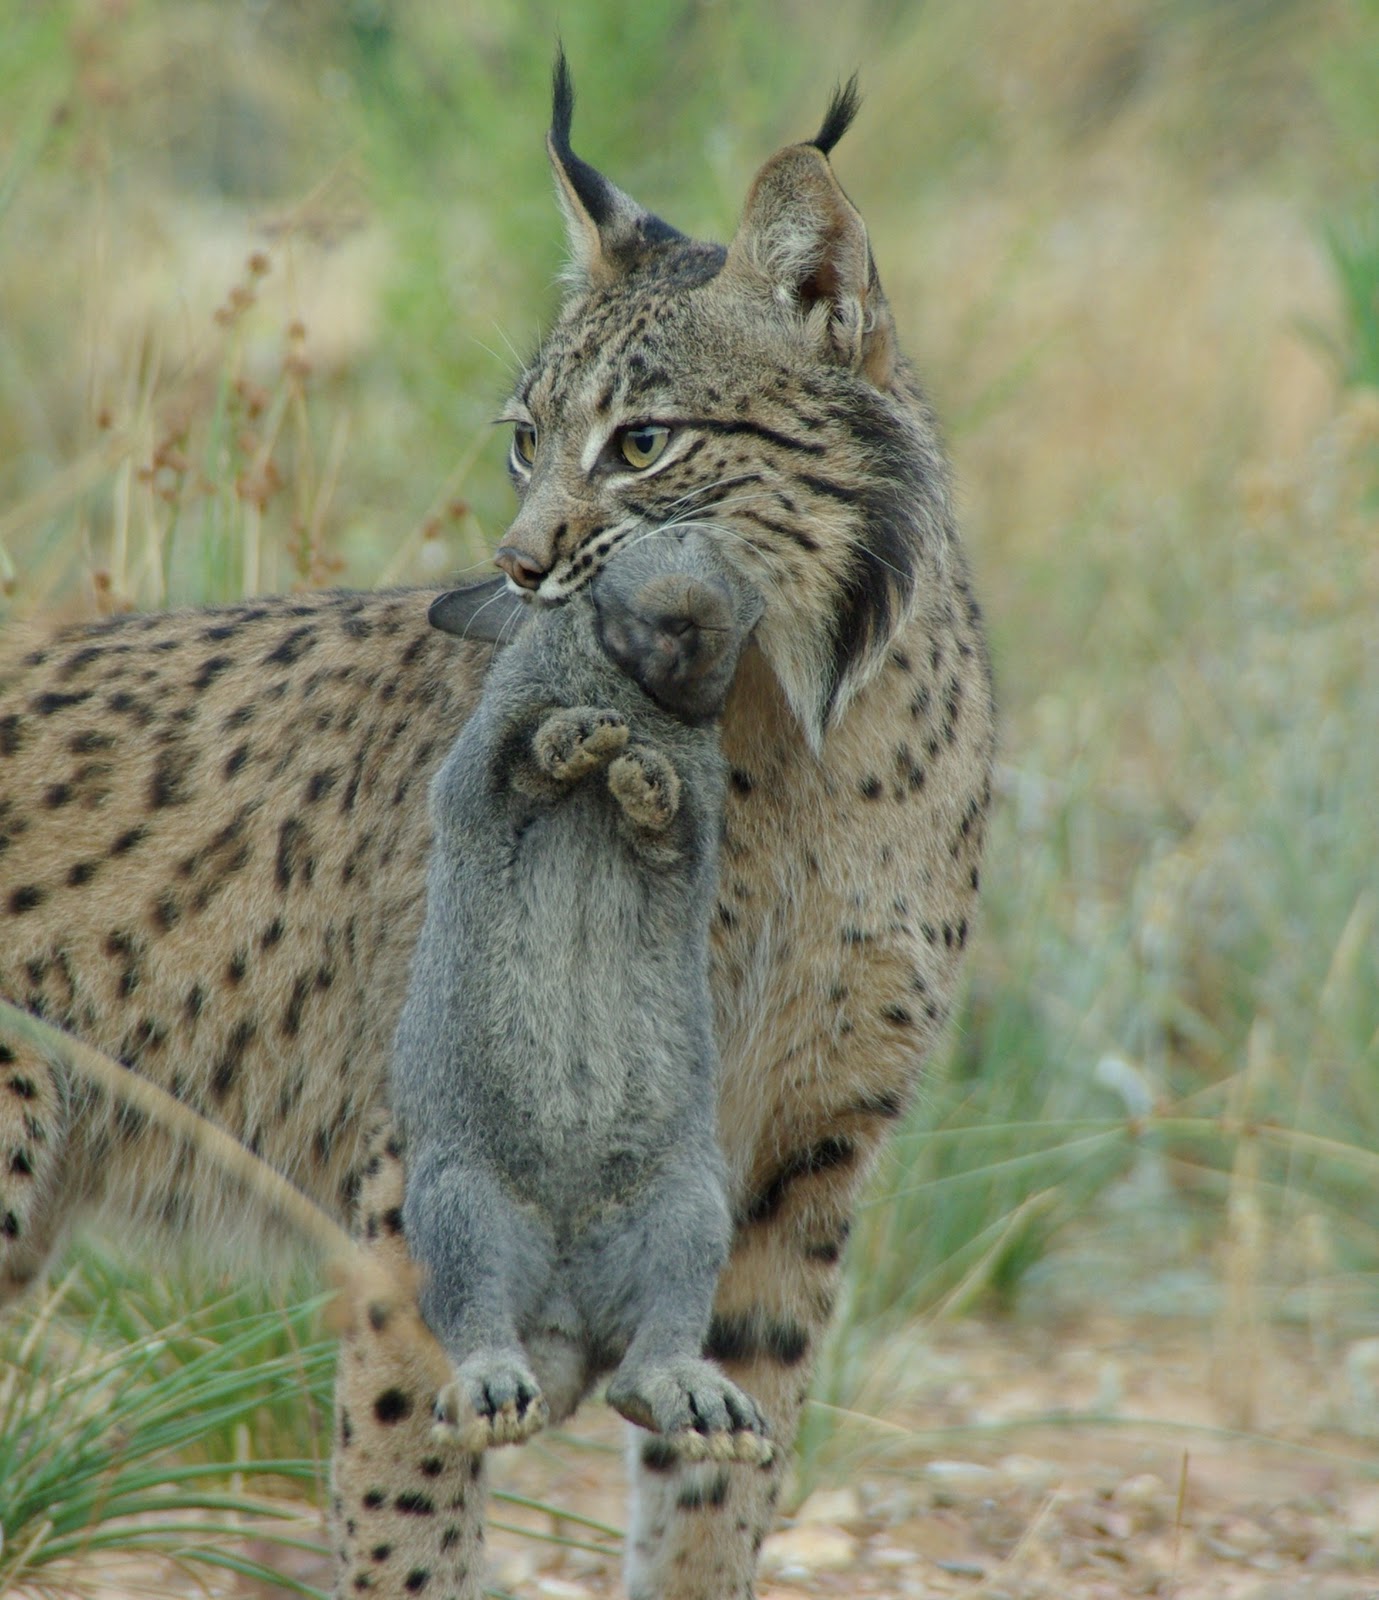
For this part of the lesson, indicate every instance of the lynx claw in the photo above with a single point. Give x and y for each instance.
(574, 741)
(489, 1403)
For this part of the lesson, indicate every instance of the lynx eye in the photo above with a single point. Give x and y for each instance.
(524, 442)
(641, 447)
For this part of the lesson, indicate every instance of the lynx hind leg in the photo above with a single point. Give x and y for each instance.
(646, 786)
(493, 1399)
(696, 1529)
(576, 740)
(32, 1134)
(698, 1412)
(407, 1512)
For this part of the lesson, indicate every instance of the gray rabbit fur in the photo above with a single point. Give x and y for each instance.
(554, 1074)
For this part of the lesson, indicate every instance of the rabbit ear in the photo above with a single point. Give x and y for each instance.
(487, 612)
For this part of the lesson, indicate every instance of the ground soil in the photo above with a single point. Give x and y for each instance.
(1063, 1458)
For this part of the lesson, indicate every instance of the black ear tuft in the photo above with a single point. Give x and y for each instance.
(562, 101)
(596, 194)
(842, 108)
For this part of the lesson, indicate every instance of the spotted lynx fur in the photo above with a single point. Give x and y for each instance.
(554, 1078)
(213, 835)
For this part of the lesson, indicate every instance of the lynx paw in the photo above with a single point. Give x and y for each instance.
(492, 1400)
(699, 1413)
(573, 741)
(646, 786)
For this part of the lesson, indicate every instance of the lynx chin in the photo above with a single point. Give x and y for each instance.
(214, 835)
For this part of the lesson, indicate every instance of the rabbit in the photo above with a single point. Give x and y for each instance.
(554, 1070)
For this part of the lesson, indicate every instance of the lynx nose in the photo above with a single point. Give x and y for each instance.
(523, 569)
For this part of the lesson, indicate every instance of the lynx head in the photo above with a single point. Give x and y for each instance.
(753, 392)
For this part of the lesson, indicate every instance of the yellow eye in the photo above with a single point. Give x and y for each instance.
(524, 442)
(642, 446)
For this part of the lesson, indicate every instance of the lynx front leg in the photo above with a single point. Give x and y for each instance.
(407, 1513)
(696, 1530)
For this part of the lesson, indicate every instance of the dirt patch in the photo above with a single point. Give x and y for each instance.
(1073, 1459)
(1063, 1461)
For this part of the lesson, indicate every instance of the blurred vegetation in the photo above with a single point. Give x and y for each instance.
(263, 271)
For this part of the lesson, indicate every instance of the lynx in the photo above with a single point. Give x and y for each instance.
(554, 1075)
(214, 834)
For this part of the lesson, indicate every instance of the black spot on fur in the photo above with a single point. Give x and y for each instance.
(659, 1456)
(704, 1496)
(319, 784)
(754, 1337)
(827, 1156)
(27, 898)
(228, 1067)
(889, 1103)
(46, 704)
(392, 1406)
(826, 1251)
(412, 1504)
(292, 1017)
(294, 855)
(129, 840)
(292, 647)
(211, 668)
(170, 773)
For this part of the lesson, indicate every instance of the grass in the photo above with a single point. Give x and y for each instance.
(130, 1425)
(262, 275)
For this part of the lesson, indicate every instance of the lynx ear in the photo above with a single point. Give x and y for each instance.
(803, 241)
(608, 230)
(487, 612)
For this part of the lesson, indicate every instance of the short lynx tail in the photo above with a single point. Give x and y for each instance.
(358, 1275)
